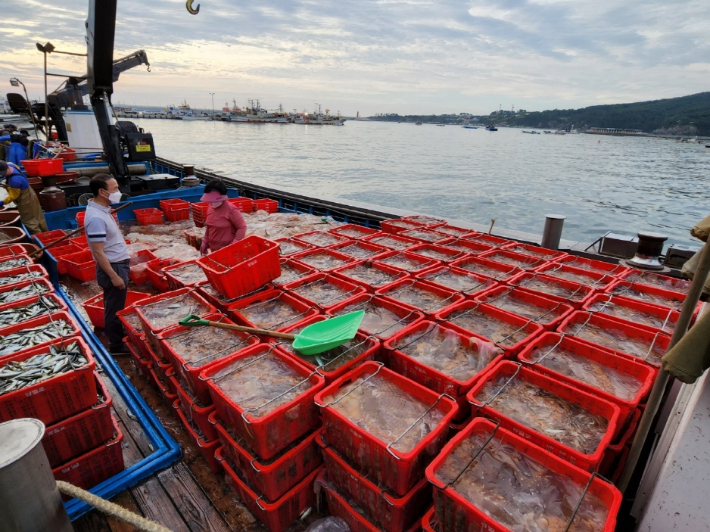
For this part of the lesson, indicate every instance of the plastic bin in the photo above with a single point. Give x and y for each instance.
(303, 309)
(128, 317)
(290, 246)
(139, 265)
(474, 283)
(43, 167)
(428, 376)
(393, 514)
(142, 365)
(549, 341)
(154, 271)
(39, 321)
(265, 204)
(549, 313)
(497, 271)
(279, 515)
(590, 403)
(553, 288)
(452, 510)
(321, 239)
(196, 308)
(510, 258)
(664, 317)
(59, 303)
(37, 270)
(611, 268)
(312, 259)
(465, 247)
(656, 341)
(407, 315)
(242, 267)
(392, 241)
(243, 204)
(525, 330)
(591, 278)
(424, 235)
(56, 398)
(273, 478)
(174, 282)
(195, 412)
(149, 216)
(271, 433)
(95, 306)
(81, 265)
(449, 297)
(649, 278)
(398, 225)
(353, 231)
(61, 252)
(394, 274)
(535, 251)
(39, 286)
(12, 251)
(375, 458)
(95, 466)
(75, 435)
(343, 290)
(82, 214)
(207, 448)
(47, 237)
(647, 294)
(415, 263)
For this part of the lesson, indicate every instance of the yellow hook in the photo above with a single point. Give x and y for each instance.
(190, 9)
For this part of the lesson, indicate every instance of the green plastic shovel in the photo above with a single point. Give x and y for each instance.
(312, 340)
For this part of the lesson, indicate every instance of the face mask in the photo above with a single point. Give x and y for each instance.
(115, 197)
(216, 204)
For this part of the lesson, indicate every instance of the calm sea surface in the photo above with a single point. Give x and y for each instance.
(601, 184)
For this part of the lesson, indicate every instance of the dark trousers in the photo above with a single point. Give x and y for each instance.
(114, 301)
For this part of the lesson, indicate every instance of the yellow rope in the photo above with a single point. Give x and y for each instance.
(110, 508)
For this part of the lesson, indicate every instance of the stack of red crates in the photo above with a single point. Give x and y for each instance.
(82, 439)
(175, 209)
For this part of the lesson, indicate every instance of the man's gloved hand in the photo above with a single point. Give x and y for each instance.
(203, 248)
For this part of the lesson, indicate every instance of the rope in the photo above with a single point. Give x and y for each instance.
(141, 523)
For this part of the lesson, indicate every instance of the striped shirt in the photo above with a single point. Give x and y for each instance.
(101, 227)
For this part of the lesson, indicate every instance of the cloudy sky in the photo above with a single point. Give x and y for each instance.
(405, 56)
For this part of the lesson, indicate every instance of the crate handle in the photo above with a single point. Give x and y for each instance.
(398, 322)
(465, 468)
(192, 362)
(253, 461)
(650, 347)
(581, 498)
(245, 412)
(220, 377)
(429, 331)
(389, 450)
(562, 337)
(380, 364)
(500, 390)
(340, 355)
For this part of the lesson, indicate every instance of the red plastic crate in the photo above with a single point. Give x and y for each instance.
(509, 258)
(437, 252)
(37, 322)
(160, 365)
(82, 214)
(418, 263)
(199, 209)
(207, 448)
(139, 265)
(321, 239)
(95, 466)
(174, 283)
(490, 240)
(549, 313)
(310, 258)
(535, 251)
(398, 471)
(391, 241)
(148, 326)
(60, 253)
(407, 315)
(449, 297)
(394, 274)
(148, 216)
(393, 514)
(279, 515)
(196, 413)
(429, 522)
(480, 265)
(666, 318)
(477, 283)
(658, 280)
(420, 234)
(133, 334)
(60, 304)
(154, 271)
(353, 231)
(591, 278)
(38, 271)
(265, 204)
(590, 403)
(611, 268)
(350, 290)
(80, 241)
(243, 266)
(465, 247)
(189, 375)
(95, 306)
(575, 294)
(547, 343)
(243, 204)
(10, 251)
(303, 309)
(292, 264)
(525, 330)
(47, 237)
(269, 434)
(359, 249)
(428, 376)
(79, 433)
(11, 262)
(141, 364)
(371, 350)
(43, 167)
(55, 398)
(647, 294)
(398, 225)
(454, 231)
(425, 220)
(38, 284)
(614, 458)
(288, 247)
(656, 341)
(81, 265)
(454, 512)
(175, 209)
(273, 478)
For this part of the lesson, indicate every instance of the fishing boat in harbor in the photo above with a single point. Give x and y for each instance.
(491, 127)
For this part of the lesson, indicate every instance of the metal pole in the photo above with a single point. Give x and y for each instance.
(212, 93)
(659, 386)
(552, 233)
(46, 104)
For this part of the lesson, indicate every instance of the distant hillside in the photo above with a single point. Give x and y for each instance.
(687, 115)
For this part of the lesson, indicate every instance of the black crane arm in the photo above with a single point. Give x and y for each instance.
(130, 61)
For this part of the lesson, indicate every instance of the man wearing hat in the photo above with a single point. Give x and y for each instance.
(20, 192)
(224, 224)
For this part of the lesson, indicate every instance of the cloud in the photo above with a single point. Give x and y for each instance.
(407, 56)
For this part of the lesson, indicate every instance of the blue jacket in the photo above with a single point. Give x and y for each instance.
(16, 153)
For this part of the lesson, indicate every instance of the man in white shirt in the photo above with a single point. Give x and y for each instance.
(111, 254)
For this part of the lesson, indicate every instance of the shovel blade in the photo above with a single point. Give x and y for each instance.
(328, 334)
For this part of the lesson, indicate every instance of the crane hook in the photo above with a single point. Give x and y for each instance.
(190, 9)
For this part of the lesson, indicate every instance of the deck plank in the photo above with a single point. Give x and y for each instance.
(92, 522)
(125, 500)
(192, 502)
(155, 504)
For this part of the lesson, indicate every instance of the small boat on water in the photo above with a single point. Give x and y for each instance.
(469, 126)
(440, 125)
(533, 132)
(418, 123)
